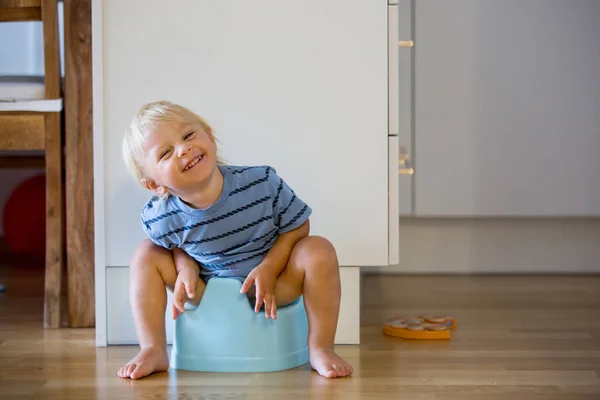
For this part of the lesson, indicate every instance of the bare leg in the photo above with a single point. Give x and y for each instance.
(151, 269)
(313, 270)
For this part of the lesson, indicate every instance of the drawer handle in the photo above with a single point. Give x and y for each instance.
(406, 43)
(404, 167)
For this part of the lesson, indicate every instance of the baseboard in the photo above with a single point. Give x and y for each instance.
(523, 246)
(393, 270)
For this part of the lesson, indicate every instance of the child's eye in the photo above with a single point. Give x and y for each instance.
(189, 135)
(164, 153)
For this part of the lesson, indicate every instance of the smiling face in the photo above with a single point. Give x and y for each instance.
(178, 158)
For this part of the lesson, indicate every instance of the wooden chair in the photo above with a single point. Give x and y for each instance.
(35, 124)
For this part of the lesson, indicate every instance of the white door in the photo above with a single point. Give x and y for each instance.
(301, 86)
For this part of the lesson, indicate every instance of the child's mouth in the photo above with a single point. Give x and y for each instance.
(193, 162)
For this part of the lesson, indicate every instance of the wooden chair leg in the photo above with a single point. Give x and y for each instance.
(54, 225)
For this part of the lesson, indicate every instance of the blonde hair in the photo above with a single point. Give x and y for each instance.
(148, 117)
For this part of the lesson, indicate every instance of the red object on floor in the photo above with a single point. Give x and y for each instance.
(24, 218)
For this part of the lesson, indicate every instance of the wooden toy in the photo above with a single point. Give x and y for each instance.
(438, 327)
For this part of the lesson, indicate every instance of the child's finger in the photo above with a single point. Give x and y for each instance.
(273, 308)
(176, 305)
(247, 284)
(179, 305)
(268, 306)
(259, 302)
(190, 289)
(178, 296)
(174, 311)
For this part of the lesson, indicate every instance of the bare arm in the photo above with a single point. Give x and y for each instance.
(264, 276)
(183, 260)
(188, 274)
(277, 257)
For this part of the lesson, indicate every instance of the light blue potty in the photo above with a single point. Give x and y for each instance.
(224, 334)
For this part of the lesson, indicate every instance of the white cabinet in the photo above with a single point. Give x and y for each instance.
(507, 108)
(301, 86)
(121, 329)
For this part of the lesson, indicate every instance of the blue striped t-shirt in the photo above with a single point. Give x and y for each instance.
(232, 236)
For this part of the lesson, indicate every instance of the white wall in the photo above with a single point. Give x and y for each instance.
(488, 245)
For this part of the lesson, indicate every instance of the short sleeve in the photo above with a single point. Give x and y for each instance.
(289, 210)
(152, 219)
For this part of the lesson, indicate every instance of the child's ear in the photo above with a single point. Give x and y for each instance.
(153, 187)
(209, 133)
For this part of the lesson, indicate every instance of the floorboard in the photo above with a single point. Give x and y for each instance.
(517, 338)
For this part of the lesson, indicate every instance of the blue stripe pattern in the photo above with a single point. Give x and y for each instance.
(272, 233)
(233, 235)
(279, 188)
(163, 216)
(285, 209)
(248, 186)
(239, 171)
(266, 244)
(219, 218)
(229, 263)
(229, 233)
(296, 217)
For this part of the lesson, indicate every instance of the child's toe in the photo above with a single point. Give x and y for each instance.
(130, 369)
(137, 372)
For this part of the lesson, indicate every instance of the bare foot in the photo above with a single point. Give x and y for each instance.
(147, 361)
(329, 364)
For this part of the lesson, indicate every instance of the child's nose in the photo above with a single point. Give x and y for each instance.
(183, 150)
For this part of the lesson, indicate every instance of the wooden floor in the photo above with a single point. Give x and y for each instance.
(517, 338)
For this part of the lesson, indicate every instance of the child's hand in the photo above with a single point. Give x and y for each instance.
(184, 290)
(264, 279)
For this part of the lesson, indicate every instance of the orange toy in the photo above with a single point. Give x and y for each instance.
(419, 327)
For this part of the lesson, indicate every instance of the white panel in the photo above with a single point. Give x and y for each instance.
(405, 102)
(394, 202)
(507, 108)
(33, 105)
(394, 72)
(348, 329)
(99, 183)
(120, 328)
(301, 86)
(404, 73)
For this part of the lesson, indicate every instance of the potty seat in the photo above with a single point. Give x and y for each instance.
(224, 334)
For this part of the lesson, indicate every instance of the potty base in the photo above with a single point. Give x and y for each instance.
(224, 334)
